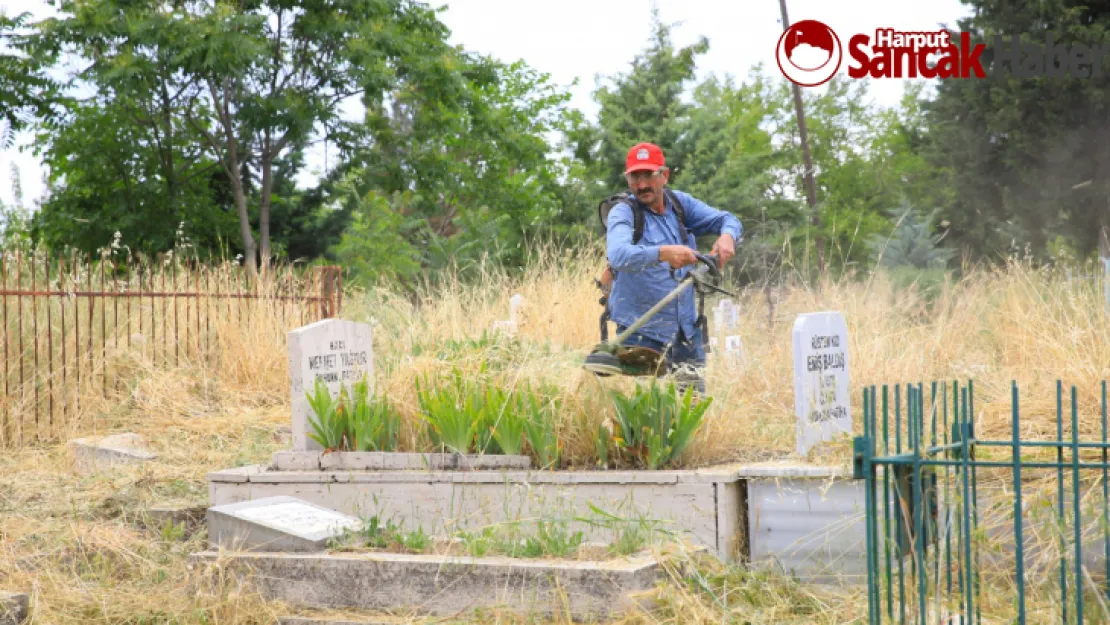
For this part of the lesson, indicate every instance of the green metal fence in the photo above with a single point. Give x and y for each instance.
(967, 530)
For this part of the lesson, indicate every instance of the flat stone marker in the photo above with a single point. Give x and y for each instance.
(285, 524)
(337, 351)
(822, 401)
(97, 454)
(13, 608)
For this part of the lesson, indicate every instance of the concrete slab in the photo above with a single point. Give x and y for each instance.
(102, 453)
(237, 475)
(276, 524)
(443, 585)
(13, 608)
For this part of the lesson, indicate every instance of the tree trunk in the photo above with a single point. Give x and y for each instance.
(264, 212)
(250, 248)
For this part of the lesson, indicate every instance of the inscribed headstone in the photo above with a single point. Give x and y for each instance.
(822, 402)
(276, 524)
(337, 351)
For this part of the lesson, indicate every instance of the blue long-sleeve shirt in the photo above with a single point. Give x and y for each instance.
(642, 279)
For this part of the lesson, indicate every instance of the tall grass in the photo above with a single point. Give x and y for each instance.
(76, 332)
(993, 325)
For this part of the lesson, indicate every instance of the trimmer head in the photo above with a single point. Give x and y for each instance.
(609, 359)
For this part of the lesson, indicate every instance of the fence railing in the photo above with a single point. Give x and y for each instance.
(64, 317)
(962, 529)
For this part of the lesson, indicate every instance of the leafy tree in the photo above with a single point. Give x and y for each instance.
(913, 243)
(255, 82)
(25, 91)
(127, 164)
(866, 159)
(1025, 157)
(646, 105)
(475, 168)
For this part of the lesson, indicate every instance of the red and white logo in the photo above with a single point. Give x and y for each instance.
(809, 53)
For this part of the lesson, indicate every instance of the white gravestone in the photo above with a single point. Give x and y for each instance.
(822, 401)
(337, 351)
(734, 350)
(276, 524)
(726, 317)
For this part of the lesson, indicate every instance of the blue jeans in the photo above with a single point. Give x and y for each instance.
(686, 356)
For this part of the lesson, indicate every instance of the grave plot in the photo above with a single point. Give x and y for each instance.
(493, 460)
(288, 549)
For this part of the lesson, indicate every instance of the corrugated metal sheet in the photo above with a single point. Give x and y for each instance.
(811, 528)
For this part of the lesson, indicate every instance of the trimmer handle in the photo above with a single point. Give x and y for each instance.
(710, 261)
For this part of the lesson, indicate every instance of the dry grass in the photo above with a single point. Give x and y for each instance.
(993, 326)
(74, 544)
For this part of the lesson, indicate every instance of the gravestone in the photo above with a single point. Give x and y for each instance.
(734, 350)
(337, 351)
(726, 318)
(276, 524)
(822, 401)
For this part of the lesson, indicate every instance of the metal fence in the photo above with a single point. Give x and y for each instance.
(967, 530)
(65, 317)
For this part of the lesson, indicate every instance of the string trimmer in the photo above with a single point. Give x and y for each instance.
(615, 358)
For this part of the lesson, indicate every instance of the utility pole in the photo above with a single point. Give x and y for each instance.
(811, 185)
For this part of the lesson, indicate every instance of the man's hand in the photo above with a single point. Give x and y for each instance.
(606, 281)
(725, 249)
(677, 255)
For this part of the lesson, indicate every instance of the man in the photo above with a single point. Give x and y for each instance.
(643, 268)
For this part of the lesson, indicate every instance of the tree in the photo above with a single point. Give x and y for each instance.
(1027, 158)
(473, 169)
(129, 164)
(646, 105)
(914, 242)
(257, 80)
(866, 159)
(25, 91)
(271, 71)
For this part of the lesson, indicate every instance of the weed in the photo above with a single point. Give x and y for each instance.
(329, 420)
(655, 426)
(374, 424)
(452, 413)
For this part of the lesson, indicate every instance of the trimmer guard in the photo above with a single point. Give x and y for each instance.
(634, 361)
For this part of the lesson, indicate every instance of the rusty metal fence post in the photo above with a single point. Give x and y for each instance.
(331, 291)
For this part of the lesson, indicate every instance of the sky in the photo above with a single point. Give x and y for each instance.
(585, 40)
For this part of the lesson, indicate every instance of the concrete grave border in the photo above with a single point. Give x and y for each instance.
(442, 585)
(802, 519)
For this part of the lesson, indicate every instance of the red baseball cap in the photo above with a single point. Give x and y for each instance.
(644, 156)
